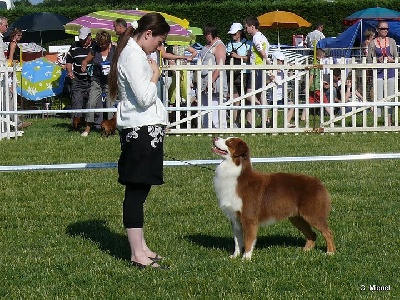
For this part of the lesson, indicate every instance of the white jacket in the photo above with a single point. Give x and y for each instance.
(139, 103)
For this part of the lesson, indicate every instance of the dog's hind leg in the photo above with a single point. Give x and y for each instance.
(322, 225)
(306, 229)
(238, 237)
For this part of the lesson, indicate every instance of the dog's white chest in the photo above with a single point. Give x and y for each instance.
(225, 184)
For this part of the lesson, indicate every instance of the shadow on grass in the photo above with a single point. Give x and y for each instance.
(98, 232)
(227, 244)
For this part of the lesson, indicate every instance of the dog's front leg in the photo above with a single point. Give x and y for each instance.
(238, 238)
(250, 237)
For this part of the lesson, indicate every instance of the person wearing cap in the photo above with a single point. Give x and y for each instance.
(238, 53)
(80, 81)
(278, 93)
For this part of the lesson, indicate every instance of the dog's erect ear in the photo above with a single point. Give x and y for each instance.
(241, 149)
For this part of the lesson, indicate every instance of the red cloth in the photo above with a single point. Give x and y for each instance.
(316, 96)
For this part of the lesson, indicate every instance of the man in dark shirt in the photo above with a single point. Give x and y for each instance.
(80, 80)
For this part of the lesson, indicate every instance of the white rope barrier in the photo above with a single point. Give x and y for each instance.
(177, 163)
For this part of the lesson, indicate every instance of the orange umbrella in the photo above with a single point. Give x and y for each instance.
(281, 19)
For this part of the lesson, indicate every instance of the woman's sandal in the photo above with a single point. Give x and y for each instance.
(156, 258)
(151, 265)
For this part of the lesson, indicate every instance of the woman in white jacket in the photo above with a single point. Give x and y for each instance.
(141, 121)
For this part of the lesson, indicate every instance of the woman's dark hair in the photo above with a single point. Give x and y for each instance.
(210, 29)
(151, 21)
(14, 33)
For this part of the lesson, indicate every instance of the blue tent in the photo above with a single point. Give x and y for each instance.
(353, 36)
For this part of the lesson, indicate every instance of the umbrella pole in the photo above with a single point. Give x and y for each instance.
(279, 44)
(41, 42)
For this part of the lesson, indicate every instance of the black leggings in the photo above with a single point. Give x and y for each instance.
(135, 196)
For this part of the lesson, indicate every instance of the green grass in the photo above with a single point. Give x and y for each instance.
(61, 232)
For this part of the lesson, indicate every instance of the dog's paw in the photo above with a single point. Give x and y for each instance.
(234, 255)
(247, 256)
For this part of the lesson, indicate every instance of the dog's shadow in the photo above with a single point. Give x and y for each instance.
(226, 243)
(100, 234)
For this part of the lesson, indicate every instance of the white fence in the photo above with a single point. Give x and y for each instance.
(8, 104)
(189, 114)
(357, 113)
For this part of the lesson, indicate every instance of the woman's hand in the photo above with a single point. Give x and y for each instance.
(156, 70)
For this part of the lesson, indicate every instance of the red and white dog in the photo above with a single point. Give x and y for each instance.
(250, 198)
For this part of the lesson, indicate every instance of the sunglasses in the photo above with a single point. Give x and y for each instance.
(383, 28)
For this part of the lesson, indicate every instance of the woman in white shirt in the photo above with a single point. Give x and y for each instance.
(141, 121)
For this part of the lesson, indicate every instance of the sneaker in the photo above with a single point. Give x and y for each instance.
(85, 134)
(290, 125)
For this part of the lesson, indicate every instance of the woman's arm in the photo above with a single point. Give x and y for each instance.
(220, 56)
(371, 51)
(13, 45)
(142, 85)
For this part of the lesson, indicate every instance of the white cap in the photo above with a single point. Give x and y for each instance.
(235, 28)
(83, 33)
(278, 55)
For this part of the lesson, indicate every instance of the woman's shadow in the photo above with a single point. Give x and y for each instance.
(98, 232)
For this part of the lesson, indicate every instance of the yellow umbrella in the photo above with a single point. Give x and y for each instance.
(281, 19)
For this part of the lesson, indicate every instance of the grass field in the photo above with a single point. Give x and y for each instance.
(62, 236)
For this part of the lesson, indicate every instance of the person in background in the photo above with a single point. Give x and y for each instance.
(3, 30)
(384, 49)
(141, 121)
(314, 87)
(101, 57)
(369, 35)
(280, 59)
(214, 53)
(258, 56)
(314, 36)
(120, 27)
(80, 80)
(238, 52)
(3, 62)
(14, 52)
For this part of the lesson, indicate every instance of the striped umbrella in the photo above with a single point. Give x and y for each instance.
(178, 35)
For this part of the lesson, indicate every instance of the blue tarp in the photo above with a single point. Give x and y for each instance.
(353, 36)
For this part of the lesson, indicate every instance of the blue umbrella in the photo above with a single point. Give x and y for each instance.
(39, 79)
(374, 13)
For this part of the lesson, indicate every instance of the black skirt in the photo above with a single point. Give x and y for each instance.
(142, 155)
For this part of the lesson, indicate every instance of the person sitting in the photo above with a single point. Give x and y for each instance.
(101, 56)
(314, 86)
